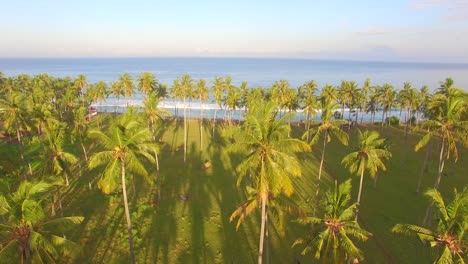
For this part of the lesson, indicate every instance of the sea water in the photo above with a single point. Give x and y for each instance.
(257, 72)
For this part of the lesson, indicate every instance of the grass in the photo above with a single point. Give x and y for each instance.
(190, 224)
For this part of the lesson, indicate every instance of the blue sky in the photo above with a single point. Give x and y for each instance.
(410, 30)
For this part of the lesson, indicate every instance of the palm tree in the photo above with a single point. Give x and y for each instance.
(117, 91)
(27, 235)
(147, 83)
(333, 243)
(202, 93)
(126, 82)
(218, 90)
(270, 161)
(80, 83)
(448, 124)
(386, 96)
(185, 87)
(327, 128)
(366, 93)
(232, 100)
(448, 240)
(123, 143)
(309, 101)
(55, 160)
(370, 157)
(15, 117)
(328, 94)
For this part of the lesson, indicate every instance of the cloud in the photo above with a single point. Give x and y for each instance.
(450, 10)
(372, 31)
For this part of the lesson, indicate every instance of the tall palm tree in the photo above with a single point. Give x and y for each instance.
(309, 101)
(201, 91)
(366, 93)
(369, 157)
(56, 160)
(15, 117)
(126, 82)
(218, 94)
(80, 83)
(117, 90)
(146, 83)
(448, 239)
(232, 100)
(270, 161)
(27, 235)
(448, 124)
(185, 86)
(124, 144)
(326, 129)
(333, 243)
(328, 94)
(386, 96)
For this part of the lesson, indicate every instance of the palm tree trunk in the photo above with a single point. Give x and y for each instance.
(323, 154)
(214, 121)
(185, 132)
(424, 167)
(308, 125)
(289, 123)
(158, 180)
(201, 125)
(84, 151)
(127, 212)
(59, 199)
(441, 164)
(267, 237)
(359, 194)
(52, 205)
(20, 145)
(262, 230)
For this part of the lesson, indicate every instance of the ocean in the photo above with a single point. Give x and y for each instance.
(257, 72)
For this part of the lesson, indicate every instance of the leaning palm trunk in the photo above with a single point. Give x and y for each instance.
(127, 212)
(424, 167)
(262, 230)
(323, 154)
(359, 193)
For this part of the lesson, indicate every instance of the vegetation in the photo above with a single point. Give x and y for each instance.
(54, 151)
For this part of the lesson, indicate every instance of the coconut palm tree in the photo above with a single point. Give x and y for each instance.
(146, 83)
(201, 91)
(232, 100)
(448, 240)
(126, 82)
(366, 94)
(55, 160)
(326, 129)
(333, 243)
(448, 124)
(386, 96)
(15, 117)
(328, 94)
(27, 234)
(270, 161)
(117, 90)
(185, 86)
(124, 144)
(370, 157)
(218, 93)
(309, 101)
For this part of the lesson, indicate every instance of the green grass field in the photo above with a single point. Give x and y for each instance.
(190, 224)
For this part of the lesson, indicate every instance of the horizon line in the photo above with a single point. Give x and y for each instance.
(234, 57)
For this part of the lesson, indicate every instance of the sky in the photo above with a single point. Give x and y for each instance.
(386, 30)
